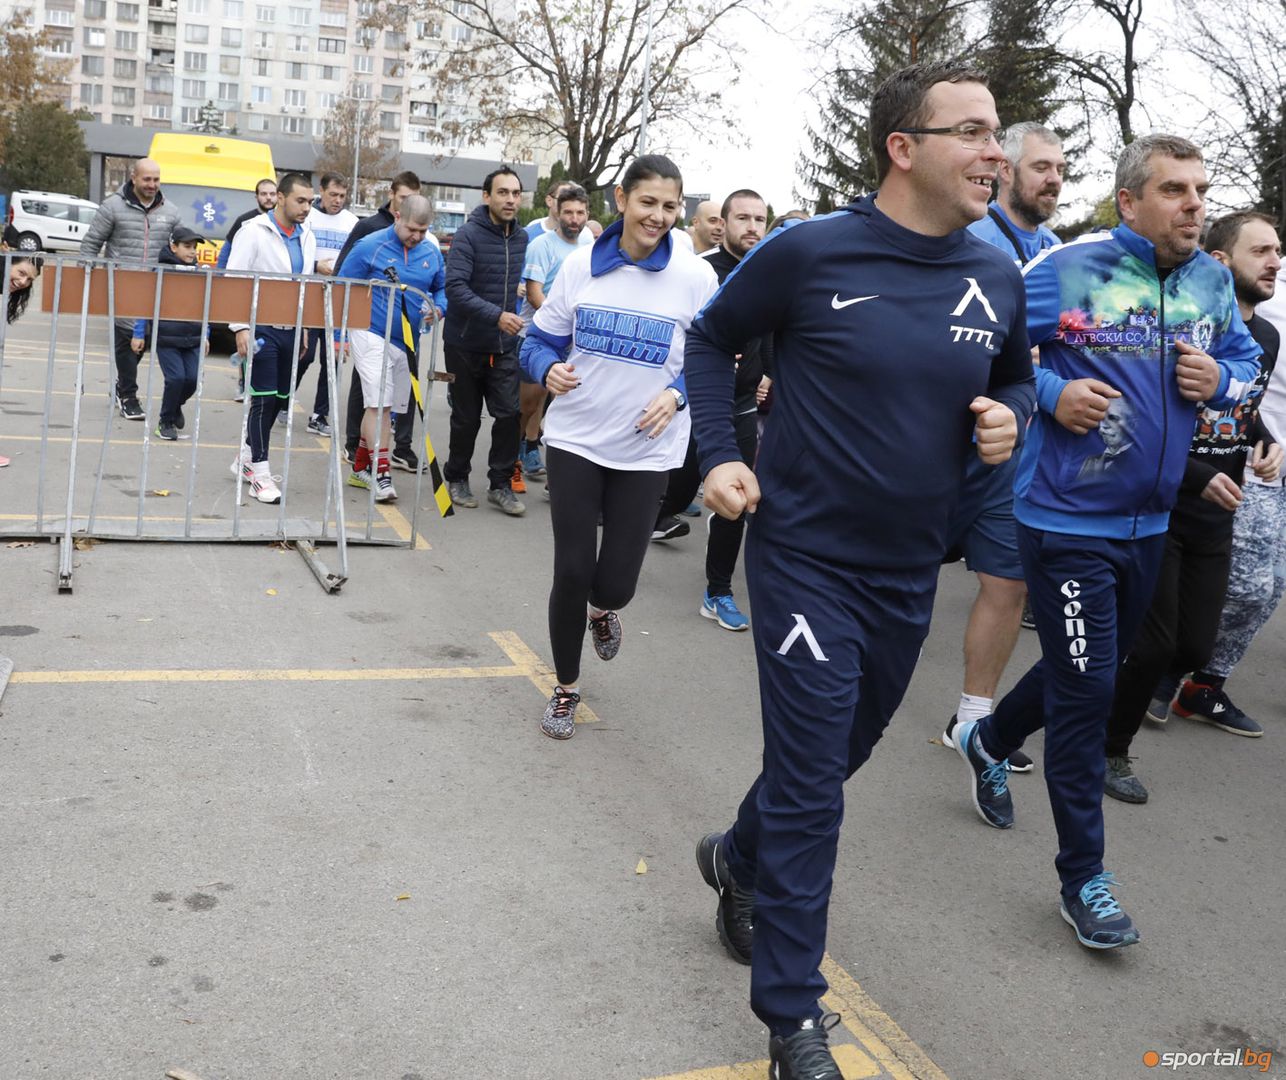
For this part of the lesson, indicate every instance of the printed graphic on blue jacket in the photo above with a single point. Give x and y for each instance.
(1227, 431)
(1116, 433)
(1098, 310)
(628, 336)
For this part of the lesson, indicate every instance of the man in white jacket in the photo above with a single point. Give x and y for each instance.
(276, 243)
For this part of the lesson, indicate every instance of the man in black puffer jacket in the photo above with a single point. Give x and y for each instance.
(481, 340)
(178, 343)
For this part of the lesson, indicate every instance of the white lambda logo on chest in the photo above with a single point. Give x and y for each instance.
(971, 333)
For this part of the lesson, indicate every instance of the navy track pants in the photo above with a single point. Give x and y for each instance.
(836, 647)
(1088, 596)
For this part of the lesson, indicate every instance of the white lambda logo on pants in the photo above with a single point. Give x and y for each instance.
(1074, 624)
(803, 630)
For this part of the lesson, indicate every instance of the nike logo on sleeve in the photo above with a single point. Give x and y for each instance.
(839, 304)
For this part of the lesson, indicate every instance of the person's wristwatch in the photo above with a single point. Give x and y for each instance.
(679, 399)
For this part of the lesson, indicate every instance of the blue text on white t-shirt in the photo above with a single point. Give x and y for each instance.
(630, 336)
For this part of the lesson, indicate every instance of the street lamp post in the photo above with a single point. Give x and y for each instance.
(647, 80)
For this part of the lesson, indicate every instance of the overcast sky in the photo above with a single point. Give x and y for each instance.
(774, 100)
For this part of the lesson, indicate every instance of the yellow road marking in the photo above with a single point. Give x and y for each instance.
(208, 675)
(854, 1065)
(538, 671)
(396, 520)
(877, 1031)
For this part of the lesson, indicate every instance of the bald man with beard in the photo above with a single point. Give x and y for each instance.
(134, 224)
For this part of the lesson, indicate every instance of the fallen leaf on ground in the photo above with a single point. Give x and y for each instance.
(84, 543)
(162, 492)
(641, 868)
(22, 543)
(404, 896)
(272, 592)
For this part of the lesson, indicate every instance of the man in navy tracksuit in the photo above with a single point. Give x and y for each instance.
(900, 339)
(1128, 323)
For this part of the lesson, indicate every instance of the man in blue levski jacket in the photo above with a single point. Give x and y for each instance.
(1128, 324)
(901, 339)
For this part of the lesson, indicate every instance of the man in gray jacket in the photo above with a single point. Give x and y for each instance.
(135, 223)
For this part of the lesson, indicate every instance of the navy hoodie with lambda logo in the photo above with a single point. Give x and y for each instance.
(883, 338)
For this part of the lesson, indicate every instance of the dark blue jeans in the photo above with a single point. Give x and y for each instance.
(180, 367)
(1088, 597)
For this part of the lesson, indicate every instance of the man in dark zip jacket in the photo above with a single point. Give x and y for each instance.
(1128, 323)
(481, 339)
(900, 337)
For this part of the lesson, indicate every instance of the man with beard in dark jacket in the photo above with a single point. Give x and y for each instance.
(481, 340)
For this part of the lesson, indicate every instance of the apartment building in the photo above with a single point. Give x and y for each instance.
(272, 71)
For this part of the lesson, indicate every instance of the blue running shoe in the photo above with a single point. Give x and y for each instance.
(531, 463)
(989, 784)
(723, 609)
(1097, 918)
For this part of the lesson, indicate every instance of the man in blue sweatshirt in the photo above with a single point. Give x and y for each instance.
(900, 340)
(1128, 324)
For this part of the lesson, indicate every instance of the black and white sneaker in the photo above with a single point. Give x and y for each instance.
(804, 1055)
(1018, 761)
(559, 721)
(130, 408)
(670, 528)
(606, 634)
(735, 916)
(318, 426)
(405, 460)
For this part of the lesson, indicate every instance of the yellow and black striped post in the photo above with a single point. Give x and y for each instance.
(440, 495)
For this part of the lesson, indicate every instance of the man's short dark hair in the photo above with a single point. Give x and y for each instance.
(504, 170)
(407, 180)
(330, 178)
(901, 101)
(1224, 232)
(290, 181)
(265, 180)
(570, 191)
(740, 193)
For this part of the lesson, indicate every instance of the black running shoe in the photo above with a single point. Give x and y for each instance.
(670, 528)
(804, 1055)
(606, 632)
(735, 917)
(130, 408)
(1029, 620)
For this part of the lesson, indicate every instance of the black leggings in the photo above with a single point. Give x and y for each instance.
(586, 571)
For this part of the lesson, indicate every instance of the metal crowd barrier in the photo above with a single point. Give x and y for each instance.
(75, 290)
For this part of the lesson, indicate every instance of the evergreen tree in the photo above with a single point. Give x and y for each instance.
(883, 36)
(45, 150)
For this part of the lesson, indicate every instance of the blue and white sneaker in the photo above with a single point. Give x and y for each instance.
(531, 463)
(988, 783)
(724, 611)
(1097, 918)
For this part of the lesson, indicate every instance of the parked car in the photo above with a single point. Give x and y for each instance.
(47, 221)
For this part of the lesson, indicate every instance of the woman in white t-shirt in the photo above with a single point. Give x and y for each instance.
(608, 344)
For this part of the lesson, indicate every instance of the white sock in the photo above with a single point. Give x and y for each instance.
(570, 689)
(595, 613)
(973, 707)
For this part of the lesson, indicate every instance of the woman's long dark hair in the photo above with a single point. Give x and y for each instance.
(18, 298)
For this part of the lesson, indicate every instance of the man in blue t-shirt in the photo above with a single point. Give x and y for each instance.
(545, 255)
(982, 529)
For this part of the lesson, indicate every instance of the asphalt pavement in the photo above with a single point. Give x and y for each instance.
(255, 830)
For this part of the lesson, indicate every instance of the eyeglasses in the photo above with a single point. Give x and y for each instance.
(974, 136)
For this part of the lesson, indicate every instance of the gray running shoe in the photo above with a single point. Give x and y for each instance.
(504, 500)
(1121, 783)
(559, 721)
(461, 495)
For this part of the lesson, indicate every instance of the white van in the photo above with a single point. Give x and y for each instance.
(46, 221)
